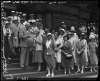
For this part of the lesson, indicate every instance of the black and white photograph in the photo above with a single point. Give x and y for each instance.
(49, 40)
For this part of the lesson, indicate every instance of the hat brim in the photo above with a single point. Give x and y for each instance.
(4, 18)
(49, 34)
(31, 15)
(62, 30)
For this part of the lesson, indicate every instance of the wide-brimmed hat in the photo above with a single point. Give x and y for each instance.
(20, 13)
(65, 36)
(9, 17)
(4, 18)
(83, 35)
(23, 14)
(31, 21)
(15, 19)
(62, 30)
(31, 15)
(49, 34)
(12, 12)
(63, 23)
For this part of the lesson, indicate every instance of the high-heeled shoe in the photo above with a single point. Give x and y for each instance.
(48, 75)
(38, 70)
(69, 72)
(77, 71)
(90, 70)
(52, 75)
(64, 72)
(82, 72)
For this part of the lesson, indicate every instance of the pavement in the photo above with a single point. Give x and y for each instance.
(58, 74)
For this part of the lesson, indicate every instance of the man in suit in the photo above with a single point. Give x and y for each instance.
(24, 58)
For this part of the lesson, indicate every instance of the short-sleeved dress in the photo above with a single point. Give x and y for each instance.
(58, 43)
(80, 58)
(92, 53)
(67, 47)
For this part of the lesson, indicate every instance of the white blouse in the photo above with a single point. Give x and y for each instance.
(48, 43)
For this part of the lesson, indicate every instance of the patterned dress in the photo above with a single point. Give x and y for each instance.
(80, 58)
(67, 47)
(92, 53)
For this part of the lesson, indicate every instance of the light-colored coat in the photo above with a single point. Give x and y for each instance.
(73, 41)
(15, 30)
(23, 33)
(39, 45)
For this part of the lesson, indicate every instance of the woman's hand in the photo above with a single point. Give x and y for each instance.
(15, 38)
(78, 51)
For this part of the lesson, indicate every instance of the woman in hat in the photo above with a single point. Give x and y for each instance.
(15, 29)
(67, 57)
(49, 55)
(9, 19)
(92, 53)
(38, 49)
(81, 53)
(74, 38)
(40, 27)
(31, 41)
(7, 36)
(58, 45)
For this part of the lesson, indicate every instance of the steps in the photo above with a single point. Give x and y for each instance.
(14, 70)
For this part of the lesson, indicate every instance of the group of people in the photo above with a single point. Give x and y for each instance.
(62, 46)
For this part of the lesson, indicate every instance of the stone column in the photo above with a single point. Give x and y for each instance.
(39, 16)
(49, 20)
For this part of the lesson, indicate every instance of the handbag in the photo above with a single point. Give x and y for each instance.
(68, 56)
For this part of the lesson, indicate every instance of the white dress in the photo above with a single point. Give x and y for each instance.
(73, 41)
(58, 53)
(86, 51)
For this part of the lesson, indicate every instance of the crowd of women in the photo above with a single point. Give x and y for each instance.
(65, 46)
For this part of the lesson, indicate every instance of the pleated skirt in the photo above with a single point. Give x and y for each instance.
(37, 57)
(50, 61)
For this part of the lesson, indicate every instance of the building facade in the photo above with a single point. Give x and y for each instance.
(54, 14)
